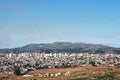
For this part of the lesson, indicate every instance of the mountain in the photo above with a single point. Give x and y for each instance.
(63, 47)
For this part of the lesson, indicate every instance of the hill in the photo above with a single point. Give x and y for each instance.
(63, 47)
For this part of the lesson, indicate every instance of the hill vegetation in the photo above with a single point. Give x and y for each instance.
(63, 47)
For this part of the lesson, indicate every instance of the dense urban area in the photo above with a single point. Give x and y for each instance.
(24, 62)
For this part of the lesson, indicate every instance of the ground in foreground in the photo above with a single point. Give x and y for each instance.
(84, 73)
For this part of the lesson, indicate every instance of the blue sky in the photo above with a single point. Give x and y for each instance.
(46, 21)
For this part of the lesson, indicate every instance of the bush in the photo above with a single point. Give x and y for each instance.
(17, 70)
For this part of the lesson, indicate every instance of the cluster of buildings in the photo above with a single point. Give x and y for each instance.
(25, 62)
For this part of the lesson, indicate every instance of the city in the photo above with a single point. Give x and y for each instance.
(59, 39)
(25, 62)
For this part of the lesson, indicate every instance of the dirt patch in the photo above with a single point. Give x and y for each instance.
(43, 71)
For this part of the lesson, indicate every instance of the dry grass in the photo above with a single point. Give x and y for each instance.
(79, 73)
(43, 71)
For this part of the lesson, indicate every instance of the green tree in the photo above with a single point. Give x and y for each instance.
(17, 70)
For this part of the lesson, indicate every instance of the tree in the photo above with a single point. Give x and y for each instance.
(92, 63)
(17, 70)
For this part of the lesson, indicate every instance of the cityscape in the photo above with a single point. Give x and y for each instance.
(33, 61)
(23, 63)
(59, 39)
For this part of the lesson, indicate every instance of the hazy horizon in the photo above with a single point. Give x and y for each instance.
(46, 21)
(55, 42)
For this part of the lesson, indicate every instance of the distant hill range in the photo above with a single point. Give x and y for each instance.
(63, 47)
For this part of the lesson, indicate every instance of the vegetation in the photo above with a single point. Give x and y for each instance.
(17, 70)
(86, 73)
(63, 47)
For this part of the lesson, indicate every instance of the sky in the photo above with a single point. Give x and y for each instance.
(45, 21)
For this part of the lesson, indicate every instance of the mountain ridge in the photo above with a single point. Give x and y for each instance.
(63, 47)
